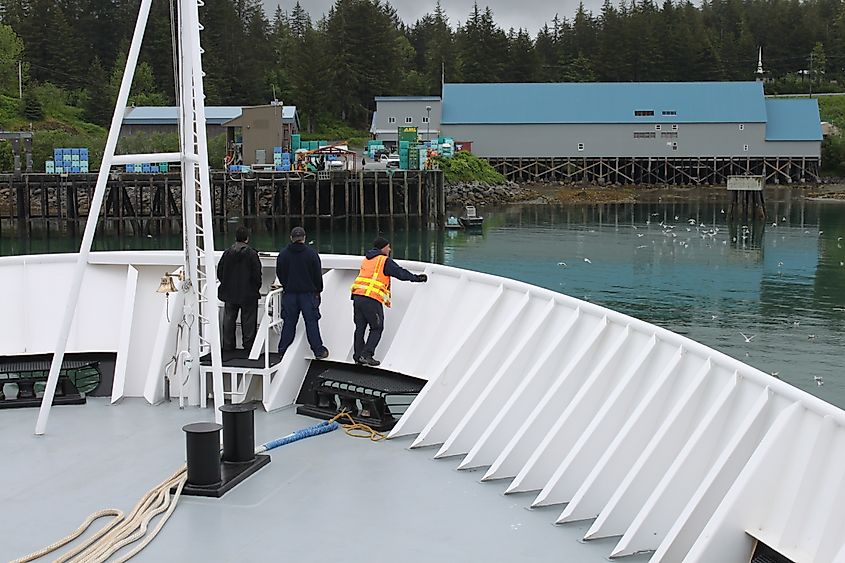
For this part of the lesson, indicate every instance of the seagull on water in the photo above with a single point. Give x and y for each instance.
(587, 260)
(811, 336)
(818, 379)
(562, 264)
(748, 338)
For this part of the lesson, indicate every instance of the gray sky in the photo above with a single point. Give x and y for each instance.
(530, 14)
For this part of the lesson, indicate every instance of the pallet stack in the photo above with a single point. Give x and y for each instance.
(68, 161)
(281, 160)
(147, 168)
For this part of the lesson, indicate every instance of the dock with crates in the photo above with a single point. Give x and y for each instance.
(414, 196)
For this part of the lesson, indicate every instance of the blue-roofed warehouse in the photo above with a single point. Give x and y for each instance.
(534, 131)
(165, 119)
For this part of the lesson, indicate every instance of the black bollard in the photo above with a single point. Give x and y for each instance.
(203, 451)
(238, 432)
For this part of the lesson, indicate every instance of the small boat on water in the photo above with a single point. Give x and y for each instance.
(470, 219)
(453, 223)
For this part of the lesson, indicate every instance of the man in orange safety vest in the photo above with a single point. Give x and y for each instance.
(370, 293)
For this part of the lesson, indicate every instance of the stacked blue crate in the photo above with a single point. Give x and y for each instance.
(148, 168)
(281, 160)
(67, 160)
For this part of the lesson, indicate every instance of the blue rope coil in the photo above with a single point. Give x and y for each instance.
(316, 430)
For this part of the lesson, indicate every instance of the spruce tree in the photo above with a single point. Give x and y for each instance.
(32, 108)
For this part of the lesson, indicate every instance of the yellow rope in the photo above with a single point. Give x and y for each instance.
(358, 429)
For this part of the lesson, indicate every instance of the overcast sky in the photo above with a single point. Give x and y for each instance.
(529, 14)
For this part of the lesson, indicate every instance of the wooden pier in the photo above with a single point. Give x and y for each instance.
(413, 195)
(653, 170)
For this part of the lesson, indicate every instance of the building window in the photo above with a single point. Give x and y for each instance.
(674, 127)
(644, 134)
(669, 112)
(580, 146)
(409, 120)
(669, 135)
(741, 127)
(424, 119)
(657, 127)
(643, 112)
(745, 148)
(391, 120)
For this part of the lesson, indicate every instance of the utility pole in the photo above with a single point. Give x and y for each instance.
(811, 74)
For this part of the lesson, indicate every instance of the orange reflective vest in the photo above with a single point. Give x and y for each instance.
(371, 280)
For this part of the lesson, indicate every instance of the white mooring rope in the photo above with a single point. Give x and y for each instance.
(121, 531)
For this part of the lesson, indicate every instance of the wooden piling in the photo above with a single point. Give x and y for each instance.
(133, 197)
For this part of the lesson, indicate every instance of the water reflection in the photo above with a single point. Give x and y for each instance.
(674, 262)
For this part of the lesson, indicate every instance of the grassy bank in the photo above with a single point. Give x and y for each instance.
(465, 167)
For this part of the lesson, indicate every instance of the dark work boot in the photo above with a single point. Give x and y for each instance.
(369, 361)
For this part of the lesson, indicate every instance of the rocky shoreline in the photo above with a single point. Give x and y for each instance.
(474, 193)
(477, 193)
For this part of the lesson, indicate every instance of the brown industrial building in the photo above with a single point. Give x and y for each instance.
(252, 136)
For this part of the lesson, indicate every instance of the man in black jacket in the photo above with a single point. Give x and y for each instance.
(239, 272)
(301, 275)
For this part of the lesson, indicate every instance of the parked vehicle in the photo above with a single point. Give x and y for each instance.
(391, 161)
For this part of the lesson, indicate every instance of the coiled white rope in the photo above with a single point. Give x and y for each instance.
(121, 531)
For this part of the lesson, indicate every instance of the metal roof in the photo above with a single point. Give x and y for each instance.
(793, 120)
(407, 98)
(691, 102)
(168, 115)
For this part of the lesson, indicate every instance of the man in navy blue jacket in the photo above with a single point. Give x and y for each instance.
(301, 275)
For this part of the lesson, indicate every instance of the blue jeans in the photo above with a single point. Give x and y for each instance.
(292, 305)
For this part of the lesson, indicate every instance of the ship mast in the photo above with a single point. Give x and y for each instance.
(200, 281)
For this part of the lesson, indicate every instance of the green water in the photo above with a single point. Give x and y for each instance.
(783, 284)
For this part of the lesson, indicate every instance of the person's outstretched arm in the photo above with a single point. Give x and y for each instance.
(396, 271)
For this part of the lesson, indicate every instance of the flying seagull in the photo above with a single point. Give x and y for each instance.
(748, 338)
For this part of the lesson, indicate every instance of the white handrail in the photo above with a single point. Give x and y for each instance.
(272, 309)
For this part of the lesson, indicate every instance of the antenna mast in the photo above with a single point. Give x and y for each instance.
(200, 262)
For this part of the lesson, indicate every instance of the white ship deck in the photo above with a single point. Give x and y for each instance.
(325, 498)
(610, 426)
